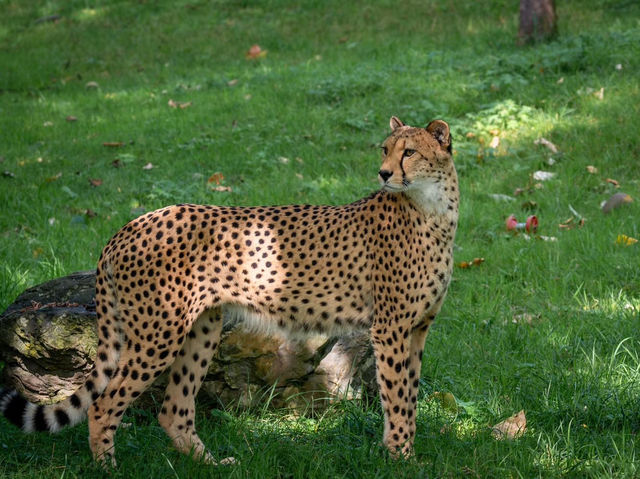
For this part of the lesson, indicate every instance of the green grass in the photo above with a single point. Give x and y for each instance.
(333, 75)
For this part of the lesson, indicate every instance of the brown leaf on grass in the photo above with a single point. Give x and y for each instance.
(221, 188)
(148, 166)
(511, 428)
(613, 182)
(547, 144)
(53, 178)
(233, 82)
(90, 213)
(469, 264)
(592, 169)
(216, 178)
(113, 144)
(71, 118)
(255, 52)
(179, 104)
(95, 182)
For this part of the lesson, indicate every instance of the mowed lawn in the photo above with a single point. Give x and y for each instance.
(114, 108)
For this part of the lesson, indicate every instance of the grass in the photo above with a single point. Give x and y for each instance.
(548, 327)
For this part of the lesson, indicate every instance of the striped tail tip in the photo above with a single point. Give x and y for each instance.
(31, 417)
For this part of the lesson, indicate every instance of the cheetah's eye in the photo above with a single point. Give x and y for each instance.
(384, 150)
(408, 152)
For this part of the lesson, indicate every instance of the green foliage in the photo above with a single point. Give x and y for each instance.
(548, 327)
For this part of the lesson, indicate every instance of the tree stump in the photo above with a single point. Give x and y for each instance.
(537, 21)
(48, 341)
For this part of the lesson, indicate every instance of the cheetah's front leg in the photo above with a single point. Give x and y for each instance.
(414, 365)
(391, 348)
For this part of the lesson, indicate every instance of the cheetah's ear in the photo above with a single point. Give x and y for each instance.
(395, 123)
(440, 131)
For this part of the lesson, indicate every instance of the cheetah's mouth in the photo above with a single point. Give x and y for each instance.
(393, 188)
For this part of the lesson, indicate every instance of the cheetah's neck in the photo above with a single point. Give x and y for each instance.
(430, 198)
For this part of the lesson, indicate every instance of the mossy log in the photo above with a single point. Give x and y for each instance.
(48, 344)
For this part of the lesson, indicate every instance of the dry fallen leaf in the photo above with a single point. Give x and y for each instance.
(551, 239)
(495, 142)
(468, 264)
(543, 175)
(613, 182)
(511, 428)
(90, 213)
(592, 169)
(148, 166)
(91, 85)
(569, 223)
(599, 94)
(626, 240)
(615, 201)
(54, 177)
(221, 188)
(255, 52)
(179, 104)
(216, 178)
(546, 143)
(71, 118)
(95, 182)
(233, 82)
(524, 318)
(113, 144)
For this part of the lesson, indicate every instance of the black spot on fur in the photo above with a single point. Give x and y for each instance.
(39, 421)
(15, 410)
(62, 417)
(75, 401)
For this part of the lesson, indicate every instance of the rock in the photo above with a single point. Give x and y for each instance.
(48, 342)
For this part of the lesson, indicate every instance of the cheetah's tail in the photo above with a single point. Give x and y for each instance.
(53, 417)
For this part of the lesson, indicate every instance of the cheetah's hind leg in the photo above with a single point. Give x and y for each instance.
(177, 415)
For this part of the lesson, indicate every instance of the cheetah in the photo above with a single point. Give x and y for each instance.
(165, 280)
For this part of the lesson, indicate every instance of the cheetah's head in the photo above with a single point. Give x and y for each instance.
(418, 162)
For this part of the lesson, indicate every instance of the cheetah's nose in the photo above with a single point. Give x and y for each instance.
(385, 174)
